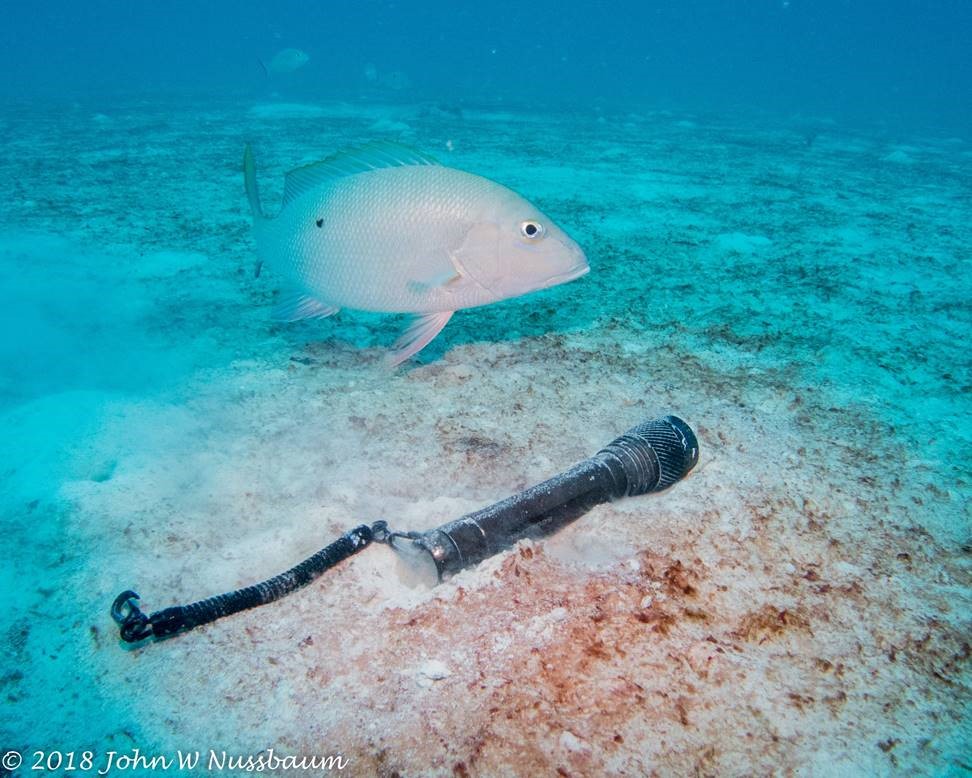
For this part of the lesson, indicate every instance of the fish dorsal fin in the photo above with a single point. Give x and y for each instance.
(373, 156)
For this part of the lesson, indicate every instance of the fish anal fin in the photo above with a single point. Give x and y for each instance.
(296, 306)
(419, 334)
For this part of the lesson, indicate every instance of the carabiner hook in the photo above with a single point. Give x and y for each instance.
(381, 534)
(134, 624)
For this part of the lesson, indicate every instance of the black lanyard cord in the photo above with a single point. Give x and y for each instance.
(135, 626)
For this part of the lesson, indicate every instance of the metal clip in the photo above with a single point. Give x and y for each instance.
(135, 625)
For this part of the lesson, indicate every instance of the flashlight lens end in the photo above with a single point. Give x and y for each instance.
(654, 455)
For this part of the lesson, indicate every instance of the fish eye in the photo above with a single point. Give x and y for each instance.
(532, 230)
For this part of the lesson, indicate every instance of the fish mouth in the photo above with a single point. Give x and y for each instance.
(574, 273)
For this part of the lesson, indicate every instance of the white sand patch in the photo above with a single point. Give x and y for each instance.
(169, 263)
(741, 243)
(390, 127)
(899, 157)
(287, 111)
(432, 670)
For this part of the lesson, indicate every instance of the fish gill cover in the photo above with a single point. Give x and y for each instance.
(773, 200)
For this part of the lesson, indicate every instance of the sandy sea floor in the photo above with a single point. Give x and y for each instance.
(799, 604)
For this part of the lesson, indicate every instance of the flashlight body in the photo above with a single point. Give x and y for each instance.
(648, 458)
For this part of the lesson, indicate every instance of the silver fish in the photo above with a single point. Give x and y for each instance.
(285, 61)
(385, 228)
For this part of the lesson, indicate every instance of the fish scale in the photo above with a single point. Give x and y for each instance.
(426, 211)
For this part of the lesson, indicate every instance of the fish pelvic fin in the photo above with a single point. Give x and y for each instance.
(419, 334)
(250, 181)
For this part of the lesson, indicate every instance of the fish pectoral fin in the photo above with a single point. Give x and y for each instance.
(446, 280)
(295, 306)
(418, 335)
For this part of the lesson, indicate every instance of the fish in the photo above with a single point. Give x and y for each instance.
(285, 61)
(386, 228)
(396, 80)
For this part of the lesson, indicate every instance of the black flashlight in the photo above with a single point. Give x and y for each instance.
(648, 458)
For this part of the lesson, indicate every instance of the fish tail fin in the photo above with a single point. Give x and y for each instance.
(249, 179)
(253, 195)
(266, 70)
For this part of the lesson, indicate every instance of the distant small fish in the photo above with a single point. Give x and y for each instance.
(285, 61)
(385, 228)
(396, 80)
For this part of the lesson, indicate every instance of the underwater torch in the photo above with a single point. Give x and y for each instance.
(647, 458)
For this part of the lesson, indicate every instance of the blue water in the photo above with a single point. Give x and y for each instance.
(774, 198)
(896, 60)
